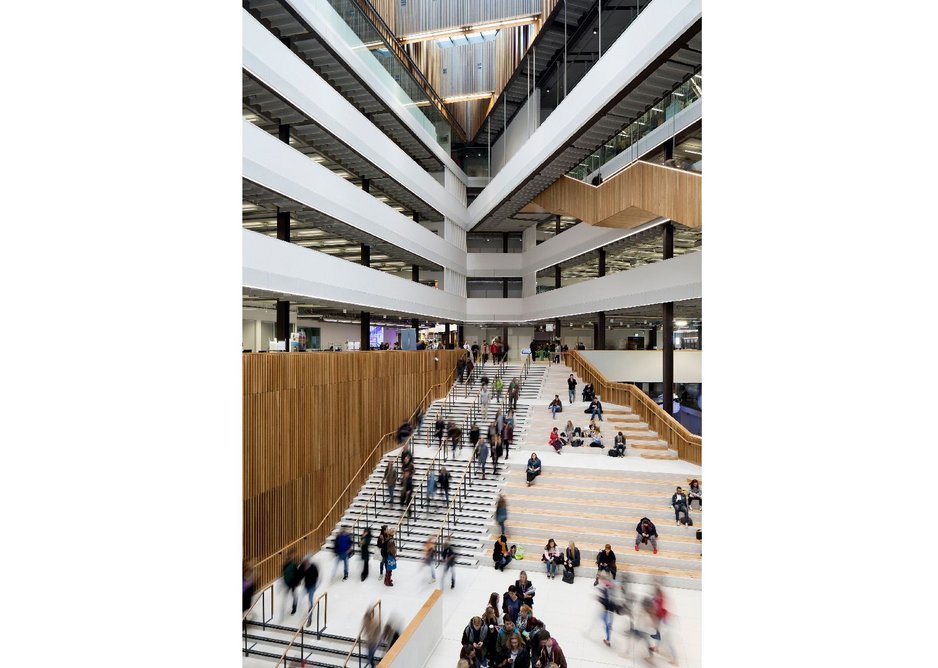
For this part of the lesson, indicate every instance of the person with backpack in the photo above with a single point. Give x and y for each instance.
(292, 576)
(645, 532)
(619, 445)
(679, 504)
(474, 634)
(571, 387)
(311, 581)
(438, 430)
(365, 551)
(343, 544)
(500, 554)
(429, 557)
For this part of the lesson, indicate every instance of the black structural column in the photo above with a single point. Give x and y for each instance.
(415, 323)
(283, 225)
(366, 255)
(446, 340)
(557, 275)
(415, 273)
(667, 330)
(504, 336)
(504, 287)
(599, 331)
(557, 327)
(602, 262)
(504, 242)
(652, 338)
(461, 335)
(366, 185)
(669, 150)
(366, 330)
(416, 217)
(557, 226)
(282, 325)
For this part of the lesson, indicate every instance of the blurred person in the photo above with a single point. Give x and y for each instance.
(431, 488)
(407, 459)
(442, 482)
(365, 549)
(342, 546)
(438, 429)
(514, 391)
(508, 432)
(501, 512)
(679, 504)
(448, 560)
(484, 398)
(499, 422)
(429, 557)
(499, 385)
(310, 581)
(555, 406)
(533, 469)
(382, 543)
(292, 577)
(390, 480)
(645, 532)
(511, 603)
(248, 585)
(550, 652)
(606, 602)
(571, 388)
(551, 556)
(500, 554)
(605, 561)
(660, 616)
(474, 435)
(490, 645)
(525, 589)
(462, 663)
(391, 560)
(695, 494)
(455, 436)
(482, 455)
(404, 432)
(371, 634)
(407, 489)
(497, 451)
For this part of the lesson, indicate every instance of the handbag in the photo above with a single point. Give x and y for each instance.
(568, 577)
(392, 563)
(519, 552)
(559, 560)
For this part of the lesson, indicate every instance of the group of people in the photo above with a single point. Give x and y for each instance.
(682, 501)
(496, 349)
(591, 436)
(513, 638)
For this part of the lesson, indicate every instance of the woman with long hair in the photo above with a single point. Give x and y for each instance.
(550, 556)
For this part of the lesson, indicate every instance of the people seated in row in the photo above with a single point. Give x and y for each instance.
(605, 561)
(534, 468)
(679, 504)
(646, 533)
(695, 494)
(555, 406)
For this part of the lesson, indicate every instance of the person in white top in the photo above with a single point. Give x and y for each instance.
(484, 398)
(551, 553)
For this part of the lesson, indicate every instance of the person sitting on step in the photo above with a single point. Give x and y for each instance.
(571, 559)
(555, 441)
(620, 444)
(596, 437)
(534, 468)
(695, 494)
(555, 406)
(606, 561)
(679, 504)
(595, 408)
(645, 532)
(588, 392)
(500, 554)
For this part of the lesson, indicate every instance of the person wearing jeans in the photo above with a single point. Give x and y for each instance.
(571, 387)
(679, 503)
(550, 555)
(597, 409)
(555, 406)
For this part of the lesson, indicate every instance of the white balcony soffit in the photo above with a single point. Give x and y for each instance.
(273, 164)
(648, 37)
(272, 63)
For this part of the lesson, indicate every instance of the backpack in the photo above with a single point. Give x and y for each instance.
(687, 521)
(614, 453)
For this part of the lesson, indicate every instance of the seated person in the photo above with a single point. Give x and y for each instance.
(534, 468)
(595, 408)
(568, 430)
(596, 437)
(588, 392)
(645, 532)
(571, 558)
(555, 441)
(555, 406)
(620, 444)
(500, 554)
(679, 504)
(606, 561)
(695, 494)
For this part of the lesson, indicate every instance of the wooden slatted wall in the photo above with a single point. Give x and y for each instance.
(310, 421)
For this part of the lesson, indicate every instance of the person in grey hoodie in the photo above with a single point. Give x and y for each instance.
(483, 455)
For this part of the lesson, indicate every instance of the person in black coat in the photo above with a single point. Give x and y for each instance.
(382, 543)
(310, 580)
(525, 589)
(365, 551)
(474, 634)
(605, 561)
(679, 503)
(571, 558)
(645, 533)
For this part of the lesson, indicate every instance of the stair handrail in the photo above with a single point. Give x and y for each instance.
(264, 621)
(301, 630)
(457, 499)
(341, 494)
(689, 446)
(358, 638)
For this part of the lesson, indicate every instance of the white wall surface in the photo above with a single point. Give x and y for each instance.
(424, 638)
(275, 165)
(519, 130)
(285, 73)
(644, 366)
(643, 41)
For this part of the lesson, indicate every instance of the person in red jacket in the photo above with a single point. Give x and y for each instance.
(660, 616)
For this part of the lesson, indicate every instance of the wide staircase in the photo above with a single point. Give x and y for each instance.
(640, 440)
(531, 376)
(465, 521)
(268, 641)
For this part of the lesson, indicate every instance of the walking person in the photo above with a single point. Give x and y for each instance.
(484, 398)
(390, 480)
(514, 391)
(371, 632)
(382, 543)
(474, 434)
(555, 406)
(660, 615)
(571, 387)
(429, 557)
(311, 581)
(365, 550)
(292, 576)
(443, 483)
(407, 490)
(431, 488)
(438, 430)
(343, 544)
(392, 559)
(501, 512)
(496, 453)
(499, 386)
(607, 604)
(551, 555)
(248, 586)
(448, 561)
(455, 436)
(483, 455)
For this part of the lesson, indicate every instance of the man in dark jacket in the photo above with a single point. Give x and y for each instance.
(365, 551)
(474, 634)
(292, 576)
(511, 603)
(646, 532)
(448, 560)
(343, 544)
(311, 580)
(605, 561)
(679, 503)
(571, 387)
